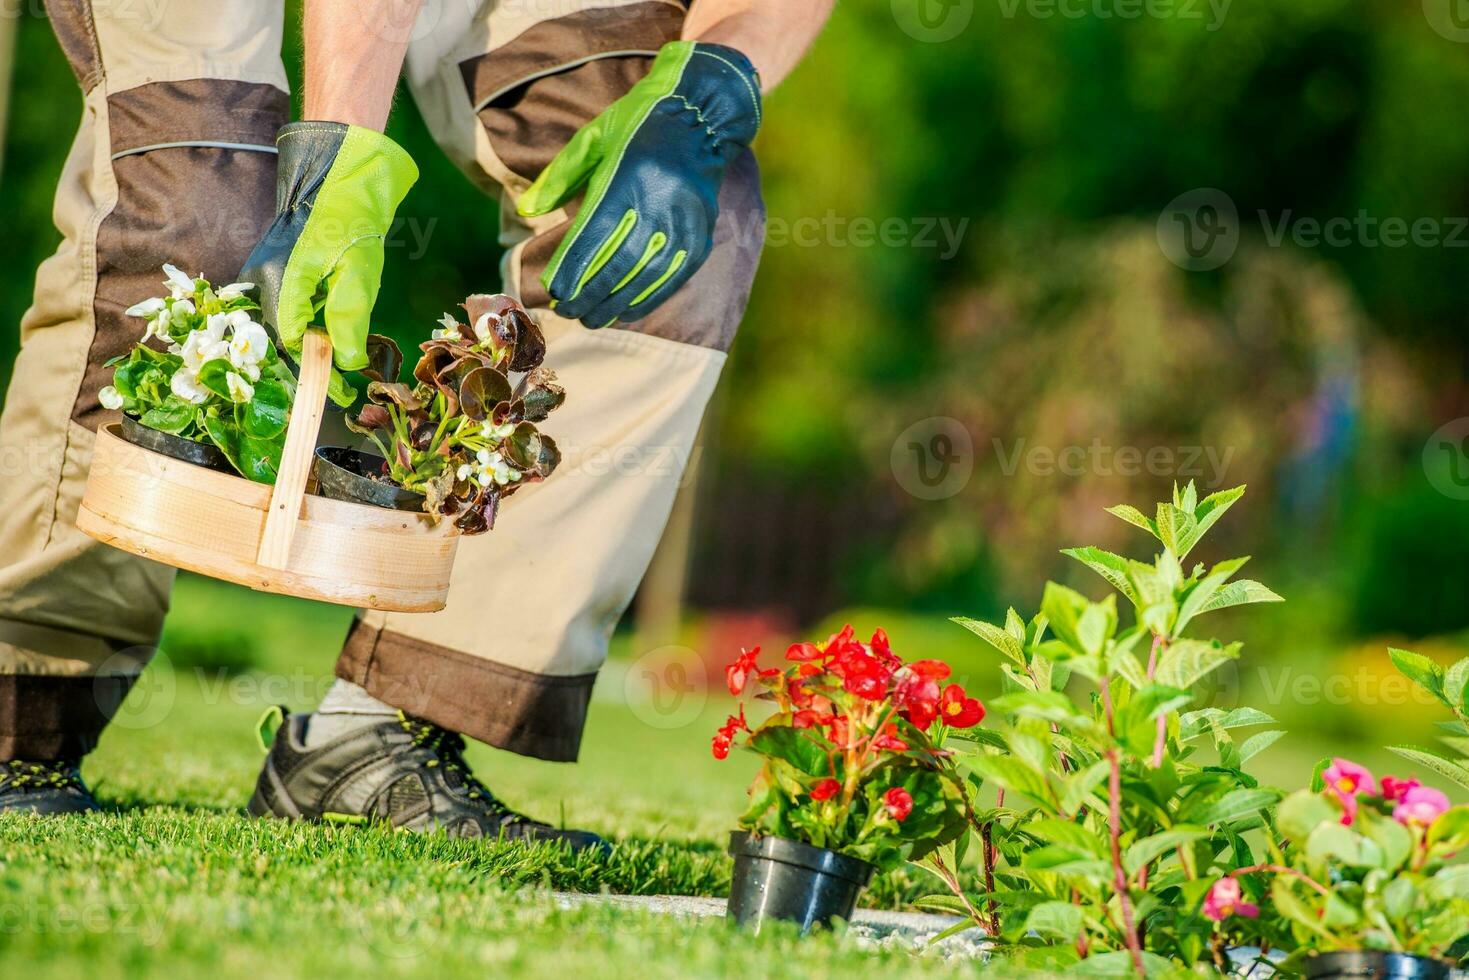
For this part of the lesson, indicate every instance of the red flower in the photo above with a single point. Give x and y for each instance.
(899, 803)
(888, 739)
(862, 674)
(825, 790)
(724, 738)
(959, 710)
(917, 692)
(804, 652)
(883, 650)
(737, 674)
(837, 732)
(810, 718)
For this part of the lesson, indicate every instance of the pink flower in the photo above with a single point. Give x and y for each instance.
(1225, 899)
(1394, 789)
(1346, 781)
(1420, 807)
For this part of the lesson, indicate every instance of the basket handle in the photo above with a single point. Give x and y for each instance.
(300, 450)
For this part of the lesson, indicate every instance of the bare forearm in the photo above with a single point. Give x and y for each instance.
(354, 53)
(774, 34)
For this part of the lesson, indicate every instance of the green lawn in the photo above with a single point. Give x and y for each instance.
(174, 879)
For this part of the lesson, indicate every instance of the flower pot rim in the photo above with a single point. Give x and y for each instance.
(409, 501)
(1327, 962)
(201, 454)
(748, 844)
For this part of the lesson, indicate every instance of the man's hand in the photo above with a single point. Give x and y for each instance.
(652, 163)
(339, 181)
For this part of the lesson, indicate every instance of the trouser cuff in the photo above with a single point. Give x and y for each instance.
(531, 714)
(44, 718)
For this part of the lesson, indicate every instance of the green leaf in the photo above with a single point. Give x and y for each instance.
(1185, 662)
(1452, 825)
(1258, 743)
(1003, 641)
(1446, 768)
(212, 376)
(1236, 805)
(265, 415)
(1290, 905)
(1450, 883)
(1456, 683)
(1149, 848)
(1333, 842)
(1050, 706)
(1174, 528)
(1302, 812)
(1080, 785)
(1056, 920)
(1063, 608)
(1066, 833)
(794, 746)
(1239, 593)
(1111, 567)
(1119, 964)
(1418, 668)
(260, 459)
(1210, 509)
(1395, 840)
(1134, 517)
(173, 415)
(226, 438)
(1013, 774)
(1097, 624)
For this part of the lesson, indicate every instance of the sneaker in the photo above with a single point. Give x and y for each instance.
(405, 772)
(44, 787)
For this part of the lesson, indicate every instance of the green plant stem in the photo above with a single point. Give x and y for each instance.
(1114, 824)
(1159, 645)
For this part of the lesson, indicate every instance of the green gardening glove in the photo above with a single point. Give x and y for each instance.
(321, 260)
(652, 164)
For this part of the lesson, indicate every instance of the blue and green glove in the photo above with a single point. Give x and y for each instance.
(321, 260)
(652, 164)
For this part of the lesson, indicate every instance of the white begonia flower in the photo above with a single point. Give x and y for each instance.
(450, 329)
(482, 328)
(110, 398)
(234, 291)
(497, 433)
(149, 307)
(240, 389)
(493, 469)
(158, 327)
(249, 342)
(185, 384)
(204, 345)
(180, 283)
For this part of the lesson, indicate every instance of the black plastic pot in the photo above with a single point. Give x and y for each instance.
(175, 447)
(346, 474)
(1379, 965)
(784, 880)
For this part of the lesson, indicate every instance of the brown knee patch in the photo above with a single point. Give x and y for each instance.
(189, 191)
(44, 718)
(533, 94)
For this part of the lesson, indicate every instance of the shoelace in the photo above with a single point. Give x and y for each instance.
(448, 750)
(16, 774)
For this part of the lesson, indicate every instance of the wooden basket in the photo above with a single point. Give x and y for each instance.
(271, 539)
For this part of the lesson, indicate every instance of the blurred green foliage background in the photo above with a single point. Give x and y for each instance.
(1046, 142)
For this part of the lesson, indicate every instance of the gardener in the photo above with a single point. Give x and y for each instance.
(616, 134)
